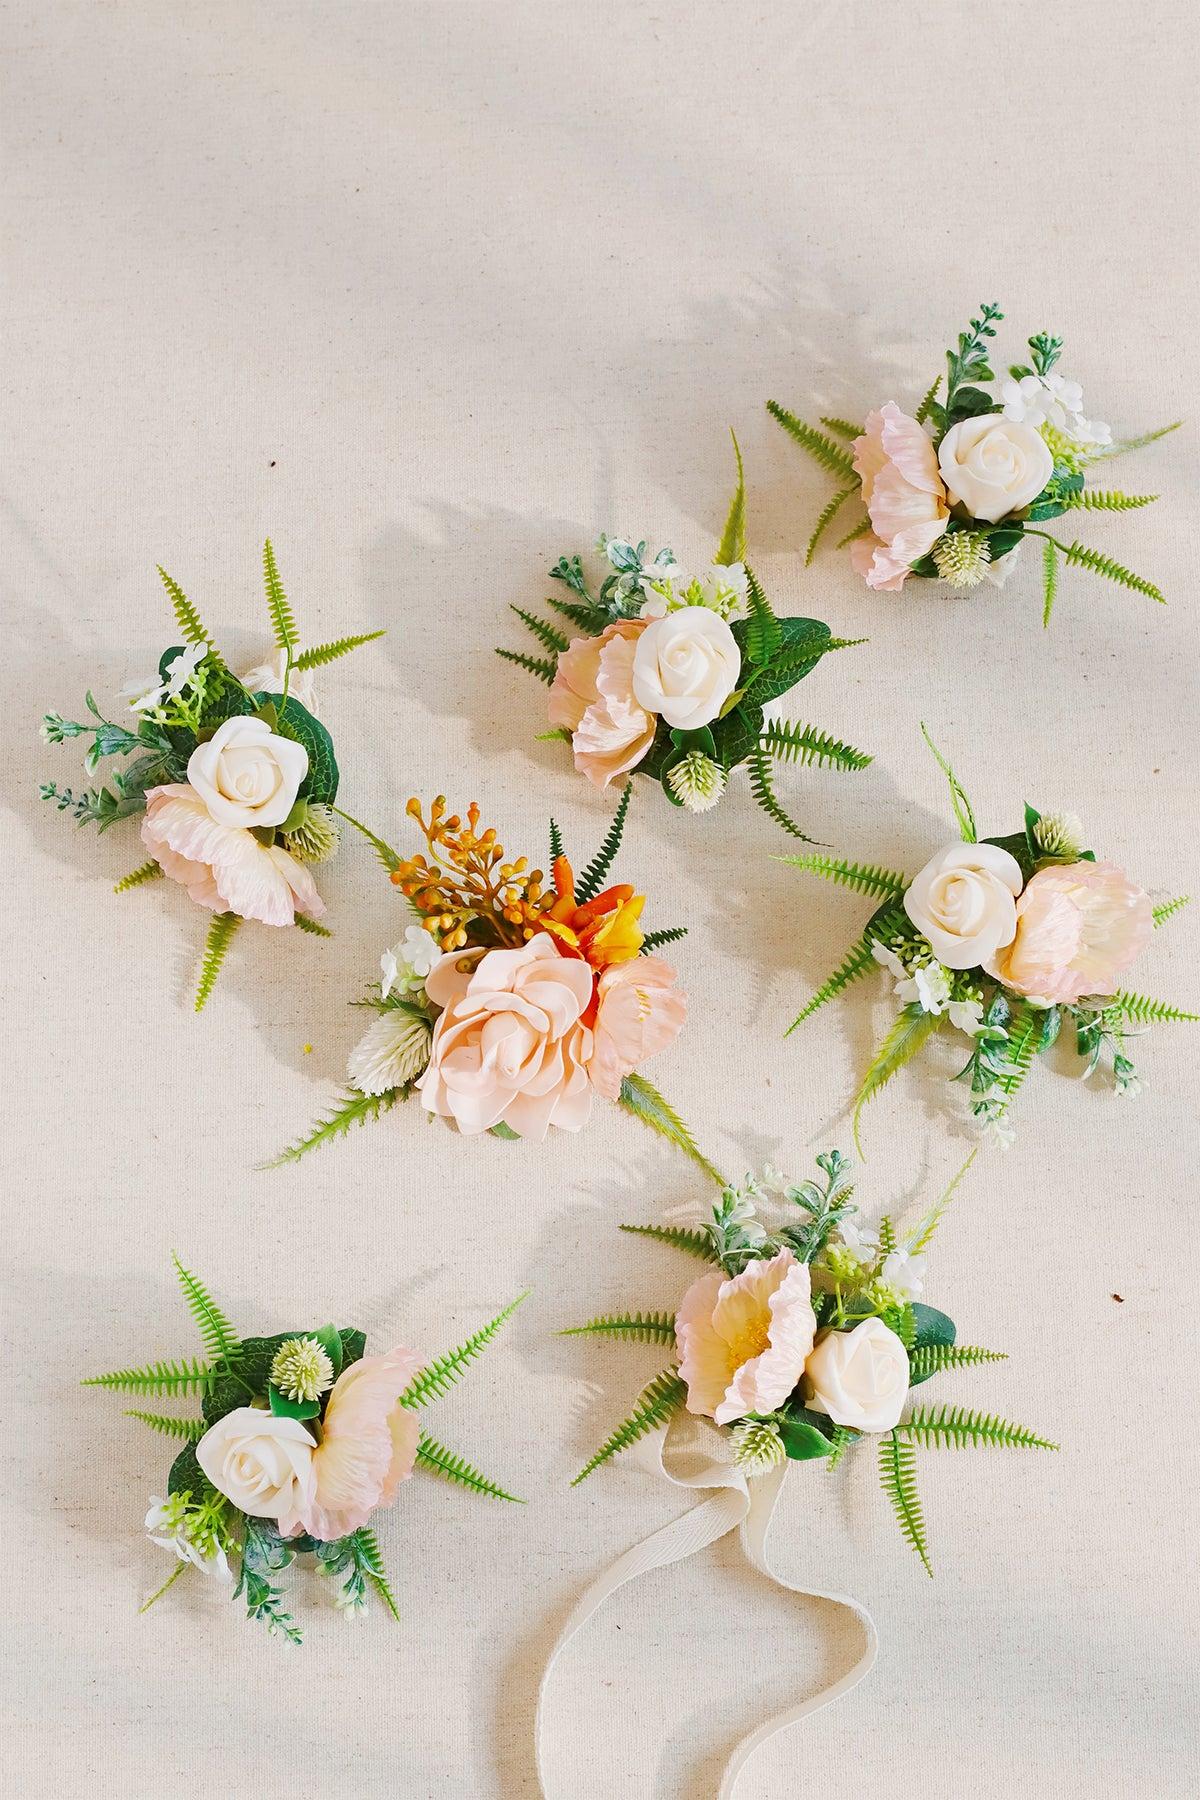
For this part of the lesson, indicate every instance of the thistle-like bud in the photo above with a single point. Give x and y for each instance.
(697, 782)
(962, 557)
(1059, 835)
(315, 837)
(301, 1369)
(757, 1446)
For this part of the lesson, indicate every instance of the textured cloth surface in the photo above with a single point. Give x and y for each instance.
(432, 294)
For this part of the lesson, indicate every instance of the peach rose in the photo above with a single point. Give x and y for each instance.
(224, 866)
(368, 1445)
(743, 1342)
(903, 494)
(1079, 926)
(592, 698)
(510, 1046)
(639, 1013)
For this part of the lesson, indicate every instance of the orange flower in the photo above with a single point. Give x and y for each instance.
(603, 931)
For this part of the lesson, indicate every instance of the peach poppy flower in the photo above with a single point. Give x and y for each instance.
(224, 866)
(510, 1045)
(1079, 926)
(639, 1012)
(368, 1445)
(904, 495)
(592, 697)
(744, 1341)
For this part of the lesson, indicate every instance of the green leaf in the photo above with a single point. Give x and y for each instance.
(439, 1376)
(897, 1473)
(383, 851)
(186, 616)
(931, 1359)
(191, 1429)
(147, 871)
(763, 788)
(736, 734)
(1168, 908)
(282, 622)
(435, 1457)
(937, 1211)
(157, 1378)
(543, 669)
(902, 1042)
(1082, 556)
(352, 1108)
(654, 940)
(658, 1400)
(320, 784)
(822, 449)
(804, 643)
(647, 1104)
(732, 547)
(824, 519)
(1145, 1011)
(803, 744)
(1049, 580)
(958, 799)
(546, 634)
(590, 882)
(312, 927)
(642, 1328)
(763, 635)
(931, 1326)
(216, 944)
(926, 406)
(842, 428)
(283, 1407)
(857, 962)
(692, 1241)
(953, 1427)
(803, 1442)
(1105, 500)
(220, 1339)
(320, 654)
(186, 1475)
(864, 878)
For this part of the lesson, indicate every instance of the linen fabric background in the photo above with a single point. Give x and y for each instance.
(432, 294)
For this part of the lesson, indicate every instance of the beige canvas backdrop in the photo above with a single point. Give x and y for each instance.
(432, 294)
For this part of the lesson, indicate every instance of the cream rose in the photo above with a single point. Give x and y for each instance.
(246, 774)
(685, 667)
(994, 466)
(860, 1377)
(965, 902)
(262, 1463)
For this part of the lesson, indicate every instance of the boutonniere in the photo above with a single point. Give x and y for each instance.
(234, 776)
(1006, 940)
(804, 1341)
(953, 492)
(676, 676)
(301, 1438)
(518, 996)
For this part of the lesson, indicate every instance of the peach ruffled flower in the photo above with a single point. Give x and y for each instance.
(904, 495)
(639, 1012)
(368, 1445)
(510, 1046)
(744, 1341)
(592, 698)
(1079, 926)
(224, 866)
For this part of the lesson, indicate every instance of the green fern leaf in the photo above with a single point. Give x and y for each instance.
(926, 406)
(312, 926)
(901, 1044)
(283, 623)
(320, 654)
(931, 1359)
(1105, 500)
(1082, 556)
(216, 944)
(1026, 1037)
(643, 1328)
(763, 789)
(186, 616)
(670, 934)
(191, 1429)
(352, 1108)
(647, 1104)
(1145, 1011)
(842, 428)
(897, 1473)
(556, 843)
(435, 1457)
(680, 1237)
(162, 1378)
(864, 878)
(545, 671)
(858, 961)
(841, 1440)
(589, 618)
(822, 449)
(958, 799)
(440, 1375)
(941, 1427)
(860, 530)
(658, 1400)
(796, 743)
(732, 547)
(371, 1558)
(383, 851)
(824, 519)
(938, 1210)
(545, 633)
(147, 871)
(1049, 580)
(763, 632)
(589, 883)
(1169, 908)
(1137, 443)
(220, 1340)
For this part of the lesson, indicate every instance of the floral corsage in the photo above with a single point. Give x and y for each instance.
(234, 775)
(301, 1438)
(807, 1336)
(674, 675)
(516, 999)
(953, 491)
(1004, 939)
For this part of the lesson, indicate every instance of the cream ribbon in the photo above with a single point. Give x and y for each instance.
(694, 1454)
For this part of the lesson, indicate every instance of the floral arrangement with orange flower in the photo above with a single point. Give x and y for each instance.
(301, 1438)
(953, 491)
(518, 997)
(1004, 939)
(234, 776)
(806, 1336)
(676, 676)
